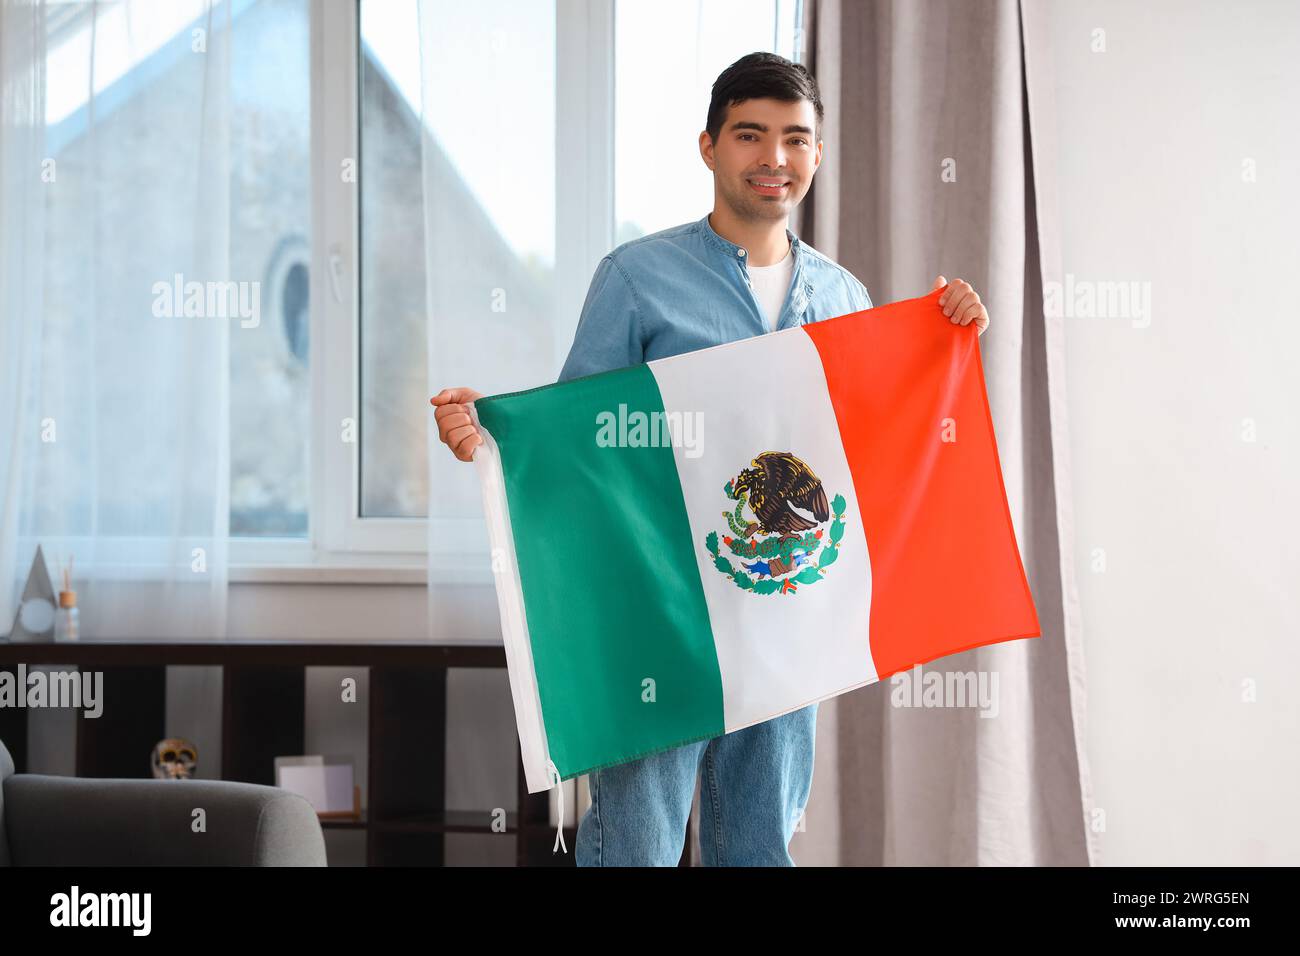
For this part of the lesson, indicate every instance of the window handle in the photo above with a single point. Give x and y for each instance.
(336, 264)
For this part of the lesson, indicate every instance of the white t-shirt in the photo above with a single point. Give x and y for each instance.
(771, 283)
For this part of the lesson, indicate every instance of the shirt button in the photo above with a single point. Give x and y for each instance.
(740, 253)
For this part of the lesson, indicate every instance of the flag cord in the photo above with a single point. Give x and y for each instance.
(559, 830)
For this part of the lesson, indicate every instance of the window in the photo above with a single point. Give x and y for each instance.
(135, 131)
(517, 216)
(270, 242)
(667, 55)
(551, 126)
(394, 480)
(509, 271)
(491, 133)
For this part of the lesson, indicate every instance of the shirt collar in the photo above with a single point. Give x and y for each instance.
(733, 250)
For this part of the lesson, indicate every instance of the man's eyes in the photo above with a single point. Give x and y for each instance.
(798, 139)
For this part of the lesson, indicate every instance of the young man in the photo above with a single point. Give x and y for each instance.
(737, 272)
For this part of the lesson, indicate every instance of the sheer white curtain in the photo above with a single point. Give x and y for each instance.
(490, 257)
(494, 267)
(114, 392)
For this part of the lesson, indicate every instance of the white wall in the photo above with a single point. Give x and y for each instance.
(1198, 524)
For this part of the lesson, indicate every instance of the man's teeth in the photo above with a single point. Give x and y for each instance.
(759, 182)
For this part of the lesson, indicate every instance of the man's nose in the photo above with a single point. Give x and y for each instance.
(774, 156)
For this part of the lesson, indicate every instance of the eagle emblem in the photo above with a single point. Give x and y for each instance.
(779, 535)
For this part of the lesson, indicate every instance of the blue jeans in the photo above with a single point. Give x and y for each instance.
(754, 788)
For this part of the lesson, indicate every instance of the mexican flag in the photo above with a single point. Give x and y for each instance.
(693, 545)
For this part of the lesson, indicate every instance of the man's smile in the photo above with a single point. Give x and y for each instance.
(769, 187)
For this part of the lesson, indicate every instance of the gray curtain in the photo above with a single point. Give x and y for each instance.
(911, 89)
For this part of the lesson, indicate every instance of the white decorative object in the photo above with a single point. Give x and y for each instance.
(326, 783)
(34, 622)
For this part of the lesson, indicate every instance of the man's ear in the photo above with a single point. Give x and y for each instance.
(706, 149)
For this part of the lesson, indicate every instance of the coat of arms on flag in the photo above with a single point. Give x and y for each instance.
(649, 592)
(782, 543)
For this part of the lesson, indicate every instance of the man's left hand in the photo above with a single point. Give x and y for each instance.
(962, 304)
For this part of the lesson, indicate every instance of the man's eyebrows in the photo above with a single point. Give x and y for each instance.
(762, 128)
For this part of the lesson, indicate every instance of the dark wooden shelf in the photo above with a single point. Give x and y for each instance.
(306, 653)
(263, 697)
(345, 823)
(450, 821)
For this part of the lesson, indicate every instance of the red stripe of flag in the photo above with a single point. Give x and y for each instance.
(946, 573)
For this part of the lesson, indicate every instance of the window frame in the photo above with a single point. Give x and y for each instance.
(340, 545)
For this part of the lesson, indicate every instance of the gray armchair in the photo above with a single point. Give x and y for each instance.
(84, 821)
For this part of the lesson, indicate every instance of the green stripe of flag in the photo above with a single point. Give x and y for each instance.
(607, 564)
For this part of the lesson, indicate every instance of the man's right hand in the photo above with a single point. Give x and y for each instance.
(455, 427)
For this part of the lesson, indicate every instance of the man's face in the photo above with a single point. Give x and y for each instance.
(764, 141)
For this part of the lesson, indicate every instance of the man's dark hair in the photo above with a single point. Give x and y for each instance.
(762, 76)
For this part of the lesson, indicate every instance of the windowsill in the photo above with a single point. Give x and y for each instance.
(385, 568)
(327, 574)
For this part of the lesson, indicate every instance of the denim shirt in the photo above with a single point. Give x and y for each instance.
(687, 288)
